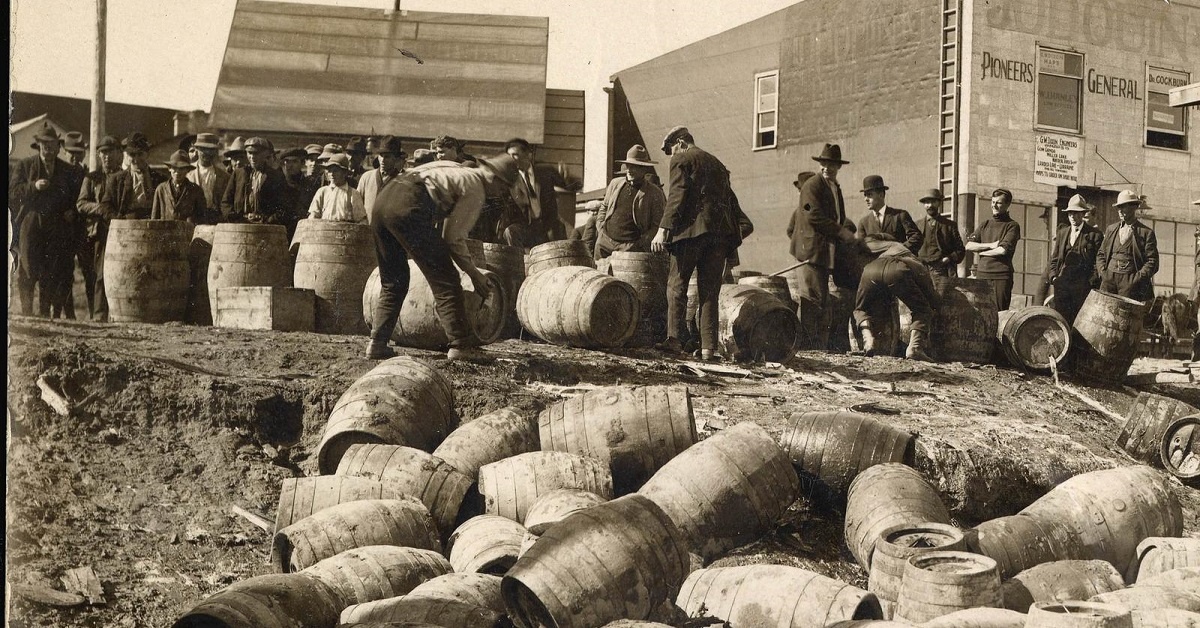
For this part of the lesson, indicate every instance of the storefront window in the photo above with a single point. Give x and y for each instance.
(1166, 126)
(766, 109)
(1060, 90)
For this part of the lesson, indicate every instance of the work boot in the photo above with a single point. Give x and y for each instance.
(467, 354)
(916, 347)
(670, 345)
(377, 351)
(868, 340)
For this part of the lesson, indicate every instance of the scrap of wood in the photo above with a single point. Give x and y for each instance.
(47, 596)
(717, 369)
(252, 518)
(1163, 377)
(83, 580)
(56, 400)
(1092, 403)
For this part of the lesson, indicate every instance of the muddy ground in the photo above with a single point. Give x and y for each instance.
(173, 425)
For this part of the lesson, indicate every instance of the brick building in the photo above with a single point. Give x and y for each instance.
(1044, 97)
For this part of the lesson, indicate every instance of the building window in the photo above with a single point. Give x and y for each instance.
(1166, 126)
(766, 109)
(1060, 90)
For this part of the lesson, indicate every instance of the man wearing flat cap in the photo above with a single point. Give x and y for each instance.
(1073, 262)
(209, 175)
(994, 243)
(1128, 255)
(88, 205)
(883, 221)
(702, 225)
(390, 158)
(258, 193)
(178, 198)
(632, 207)
(942, 245)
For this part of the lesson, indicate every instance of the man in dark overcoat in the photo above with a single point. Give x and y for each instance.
(1073, 263)
(1128, 256)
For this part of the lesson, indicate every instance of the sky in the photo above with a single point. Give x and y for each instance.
(167, 53)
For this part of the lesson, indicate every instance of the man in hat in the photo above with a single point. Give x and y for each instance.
(1128, 255)
(882, 220)
(534, 192)
(76, 148)
(41, 193)
(632, 207)
(312, 155)
(390, 157)
(404, 220)
(586, 232)
(1073, 262)
(356, 148)
(235, 155)
(130, 192)
(257, 193)
(995, 243)
(88, 205)
(299, 192)
(209, 176)
(700, 228)
(895, 273)
(337, 200)
(820, 235)
(178, 198)
(449, 148)
(942, 246)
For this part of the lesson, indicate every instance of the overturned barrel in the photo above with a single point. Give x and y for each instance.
(558, 254)
(508, 262)
(402, 522)
(885, 496)
(1146, 422)
(555, 506)
(578, 307)
(418, 324)
(248, 255)
(477, 589)
(979, 618)
(897, 545)
(943, 582)
(772, 284)
(1034, 338)
(1157, 555)
(1075, 614)
(489, 438)
(834, 447)
(647, 274)
(964, 326)
(334, 259)
(1060, 580)
(754, 325)
(774, 595)
(1180, 449)
(301, 497)
(486, 544)
(146, 270)
(377, 572)
(1107, 331)
(275, 600)
(414, 611)
(511, 486)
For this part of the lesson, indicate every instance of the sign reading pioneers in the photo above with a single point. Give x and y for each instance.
(1056, 160)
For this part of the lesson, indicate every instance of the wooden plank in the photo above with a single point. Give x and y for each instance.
(508, 110)
(578, 93)
(429, 51)
(275, 60)
(574, 129)
(563, 102)
(252, 118)
(554, 156)
(282, 100)
(517, 72)
(279, 309)
(565, 115)
(528, 21)
(374, 84)
(482, 34)
(316, 10)
(303, 25)
(564, 142)
(1186, 96)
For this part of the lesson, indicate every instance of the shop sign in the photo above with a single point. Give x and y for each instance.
(1056, 160)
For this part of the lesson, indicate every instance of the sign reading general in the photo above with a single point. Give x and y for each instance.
(1056, 160)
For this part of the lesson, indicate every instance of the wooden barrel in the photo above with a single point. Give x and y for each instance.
(486, 544)
(979, 618)
(1034, 338)
(1156, 555)
(1060, 580)
(489, 438)
(1144, 597)
(1165, 618)
(557, 254)
(271, 601)
(377, 572)
(1109, 512)
(1183, 578)
(1180, 449)
(405, 522)
(774, 595)
(940, 583)
(477, 589)
(418, 325)
(964, 326)
(774, 285)
(578, 307)
(754, 325)
(1107, 331)
(402, 401)
(335, 258)
(199, 309)
(511, 486)
(898, 544)
(726, 490)
(478, 255)
(1075, 614)
(420, 609)
(740, 274)
(634, 430)
(248, 255)
(146, 270)
(1019, 542)
(301, 497)
(1146, 421)
(508, 262)
(555, 506)
(885, 496)
(888, 326)
(835, 447)
(527, 542)
(617, 560)
(412, 472)
(647, 274)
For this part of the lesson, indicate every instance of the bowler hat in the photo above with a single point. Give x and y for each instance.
(1127, 197)
(179, 161)
(390, 145)
(637, 155)
(74, 143)
(257, 145)
(1078, 204)
(503, 165)
(235, 147)
(293, 153)
(873, 182)
(339, 160)
(831, 152)
(313, 150)
(46, 134)
(802, 177)
(206, 140)
(932, 194)
(356, 145)
(672, 136)
(135, 142)
(107, 143)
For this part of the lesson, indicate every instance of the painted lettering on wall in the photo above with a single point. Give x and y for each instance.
(1008, 69)
(1158, 29)
(1112, 85)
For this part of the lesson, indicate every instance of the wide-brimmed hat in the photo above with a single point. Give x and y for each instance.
(107, 143)
(74, 143)
(338, 160)
(1078, 204)
(136, 142)
(356, 145)
(179, 161)
(637, 155)
(831, 152)
(932, 194)
(206, 140)
(873, 182)
(46, 134)
(802, 177)
(235, 147)
(258, 145)
(672, 136)
(293, 153)
(313, 150)
(390, 145)
(504, 165)
(1127, 197)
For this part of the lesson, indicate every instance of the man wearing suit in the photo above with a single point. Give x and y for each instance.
(820, 239)
(534, 194)
(701, 226)
(88, 205)
(130, 193)
(41, 194)
(632, 207)
(1128, 256)
(884, 222)
(1073, 263)
(258, 193)
(178, 198)
(941, 244)
(209, 175)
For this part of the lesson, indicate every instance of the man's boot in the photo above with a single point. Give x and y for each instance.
(868, 339)
(916, 346)
(379, 350)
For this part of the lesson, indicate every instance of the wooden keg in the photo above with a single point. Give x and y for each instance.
(248, 255)
(377, 572)
(774, 595)
(979, 618)
(647, 274)
(773, 285)
(146, 270)
(834, 447)
(1183, 578)
(1060, 580)
(511, 486)
(1146, 597)
(486, 544)
(402, 522)
(478, 589)
(1034, 338)
(1074, 614)
(489, 438)
(301, 497)
(412, 611)
(896, 545)
(1146, 421)
(885, 496)
(1018, 542)
(334, 260)
(943, 582)
(1180, 449)
(754, 325)
(1107, 330)
(557, 254)
(578, 307)
(199, 308)
(1158, 554)
(555, 506)
(418, 324)
(508, 262)
(293, 600)
(964, 326)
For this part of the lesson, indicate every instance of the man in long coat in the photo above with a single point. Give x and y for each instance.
(1073, 263)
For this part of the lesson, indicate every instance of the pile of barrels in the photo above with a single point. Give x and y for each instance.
(602, 509)
(1165, 433)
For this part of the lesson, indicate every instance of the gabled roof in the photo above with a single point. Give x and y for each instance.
(14, 128)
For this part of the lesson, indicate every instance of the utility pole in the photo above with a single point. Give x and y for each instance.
(97, 125)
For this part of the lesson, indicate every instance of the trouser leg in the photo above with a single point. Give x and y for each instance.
(683, 264)
(1002, 292)
(710, 267)
(812, 283)
(432, 255)
(393, 279)
(1068, 300)
(100, 303)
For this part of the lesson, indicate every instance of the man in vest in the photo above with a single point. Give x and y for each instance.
(1073, 263)
(631, 209)
(941, 244)
(1128, 256)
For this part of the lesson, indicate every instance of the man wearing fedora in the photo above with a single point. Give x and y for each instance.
(536, 196)
(632, 207)
(177, 198)
(942, 246)
(257, 193)
(209, 175)
(1073, 262)
(822, 241)
(390, 158)
(995, 243)
(356, 148)
(404, 220)
(337, 200)
(130, 192)
(701, 227)
(88, 204)
(41, 194)
(882, 220)
(76, 148)
(234, 156)
(1128, 255)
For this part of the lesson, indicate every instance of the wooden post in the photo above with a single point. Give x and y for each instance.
(97, 122)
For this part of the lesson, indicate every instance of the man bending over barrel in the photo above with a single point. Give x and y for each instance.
(404, 219)
(895, 274)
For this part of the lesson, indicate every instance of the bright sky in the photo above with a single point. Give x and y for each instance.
(167, 53)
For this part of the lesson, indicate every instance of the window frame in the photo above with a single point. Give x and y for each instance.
(1146, 129)
(1037, 77)
(757, 131)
